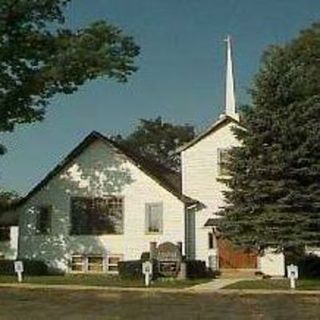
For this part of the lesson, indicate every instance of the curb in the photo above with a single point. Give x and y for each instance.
(89, 288)
(189, 290)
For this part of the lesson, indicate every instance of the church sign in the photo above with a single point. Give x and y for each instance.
(169, 259)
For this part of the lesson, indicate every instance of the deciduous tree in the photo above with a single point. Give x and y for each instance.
(40, 57)
(158, 141)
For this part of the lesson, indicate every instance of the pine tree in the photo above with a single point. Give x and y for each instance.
(273, 196)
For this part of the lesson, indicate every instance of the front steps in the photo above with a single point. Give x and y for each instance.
(238, 273)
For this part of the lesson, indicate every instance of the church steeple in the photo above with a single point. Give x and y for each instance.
(230, 100)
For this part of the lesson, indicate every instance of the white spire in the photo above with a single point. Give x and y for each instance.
(230, 102)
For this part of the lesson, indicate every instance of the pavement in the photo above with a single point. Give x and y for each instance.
(215, 284)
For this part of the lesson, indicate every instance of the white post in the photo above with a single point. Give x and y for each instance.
(293, 274)
(18, 268)
(147, 279)
(292, 283)
(19, 277)
(147, 271)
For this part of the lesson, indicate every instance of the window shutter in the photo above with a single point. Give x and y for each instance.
(147, 217)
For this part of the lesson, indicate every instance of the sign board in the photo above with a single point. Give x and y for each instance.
(168, 251)
(292, 271)
(147, 271)
(169, 258)
(18, 268)
(147, 267)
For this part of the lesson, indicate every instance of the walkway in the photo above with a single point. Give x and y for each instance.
(214, 285)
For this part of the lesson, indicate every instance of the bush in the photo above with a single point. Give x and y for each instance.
(197, 269)
(6, 267)
(309, 266)
(131, 269)
(31, 267)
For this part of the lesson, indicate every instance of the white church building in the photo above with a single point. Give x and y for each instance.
(103, 204)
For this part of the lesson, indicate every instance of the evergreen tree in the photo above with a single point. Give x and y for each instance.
(273, 196)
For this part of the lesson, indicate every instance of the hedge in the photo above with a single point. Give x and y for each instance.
(131, 269)
(309, 266)
(31, 267)
(197, 269)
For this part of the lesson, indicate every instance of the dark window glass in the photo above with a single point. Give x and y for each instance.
(4, 233)
(77, 264)
(153, 217)
(44, 220)
(210, 240)
(96, 216)
(223, 160)
(95, 264)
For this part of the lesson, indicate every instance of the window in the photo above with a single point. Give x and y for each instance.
(112, 265)
(223, 159)
(77, 264)
(211, 240)
(95, 264)
(4, 233)
(43, 224)
(153, 218)
(96, 216)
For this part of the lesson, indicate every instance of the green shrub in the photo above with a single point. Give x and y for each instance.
(31, 267)
(131, 269)
(309, 266)
(197, 269)
(6, 267)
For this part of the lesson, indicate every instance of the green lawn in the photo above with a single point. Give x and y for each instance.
(272, 284)
(100, 280)
(105, 305)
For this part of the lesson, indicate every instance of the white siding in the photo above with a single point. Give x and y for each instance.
(99, 170)
(200, 173)
(272, 263)
(199, 180)
(9, 248)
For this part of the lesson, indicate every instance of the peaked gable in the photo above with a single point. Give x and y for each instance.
(224, 120)
(166, 178)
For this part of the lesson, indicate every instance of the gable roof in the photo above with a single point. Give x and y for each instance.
(168, 179)
(223, 120)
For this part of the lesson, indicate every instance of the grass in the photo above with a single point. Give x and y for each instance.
(100, 280)
(276, 284)
(105, 305)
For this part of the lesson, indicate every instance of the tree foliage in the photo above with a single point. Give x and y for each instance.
(274, 186)
(40, 57)
(7, 198)
(158, 141)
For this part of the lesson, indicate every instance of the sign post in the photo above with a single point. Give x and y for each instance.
(147, 271)
(292, 272)
(18, 268)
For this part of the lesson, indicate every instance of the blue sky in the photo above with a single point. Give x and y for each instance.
(180, 77)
